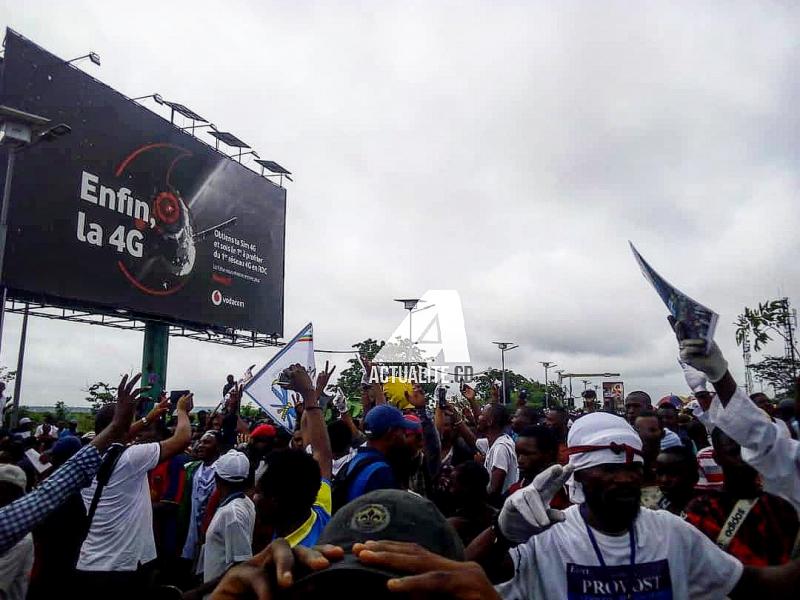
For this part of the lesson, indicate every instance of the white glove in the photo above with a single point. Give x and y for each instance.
(696, 380)
(527, 511)
(340, 402)
(713, 364)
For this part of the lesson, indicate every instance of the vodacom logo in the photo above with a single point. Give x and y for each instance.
(216, 297)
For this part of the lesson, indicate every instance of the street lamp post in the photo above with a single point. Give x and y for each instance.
(409, 304)
(504, 346)
(19, 130)
(547, 365)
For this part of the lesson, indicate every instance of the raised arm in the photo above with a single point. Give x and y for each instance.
(313, 423)
(22, 515)
(183, 431)
(158, 410)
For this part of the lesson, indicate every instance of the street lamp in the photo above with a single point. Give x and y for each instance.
(19, 130)
(504, 346)
(409, 304)
(547, 365)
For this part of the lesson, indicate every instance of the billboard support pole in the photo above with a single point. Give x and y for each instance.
(154, 362)
(20, 362)
(4, 229)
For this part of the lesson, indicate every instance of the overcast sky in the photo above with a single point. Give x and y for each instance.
(507, 150)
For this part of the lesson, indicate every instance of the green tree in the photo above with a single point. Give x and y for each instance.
(515, 383)
(761, 324)
(252, 411)
(350, 379)
(62, 413)
(100, 394)
(7, 376)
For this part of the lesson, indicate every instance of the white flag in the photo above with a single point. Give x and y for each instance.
(263, 388)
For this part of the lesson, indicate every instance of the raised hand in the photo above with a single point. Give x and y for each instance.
(494, 391)
(159, 409)
(186, 403)
(693, 352)
(323, 378)
(468, 392)
(527, 511)
(299, 380)
(127, 398)
(417, 396)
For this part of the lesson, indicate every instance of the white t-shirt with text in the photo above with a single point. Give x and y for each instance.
(503, 455)
(673, 560)
(229, 537)
(121, 533)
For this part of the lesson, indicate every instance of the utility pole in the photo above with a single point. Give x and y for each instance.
(547, 365)
(748, 376)
(504, 346)
(789, 323)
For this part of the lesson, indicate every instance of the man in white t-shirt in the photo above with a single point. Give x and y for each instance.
(46, 430)
(120, 537)
(606, 546)
(501, 455)
(230, 535)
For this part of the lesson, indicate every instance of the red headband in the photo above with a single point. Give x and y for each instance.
(613, 446)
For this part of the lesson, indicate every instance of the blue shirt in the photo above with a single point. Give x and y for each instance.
(377, 476)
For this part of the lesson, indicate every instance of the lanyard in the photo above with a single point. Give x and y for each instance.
(231, 498)
(592, 539)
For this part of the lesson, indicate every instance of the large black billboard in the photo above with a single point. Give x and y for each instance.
(130, 212)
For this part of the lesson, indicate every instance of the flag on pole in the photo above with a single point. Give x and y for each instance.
(263, 388)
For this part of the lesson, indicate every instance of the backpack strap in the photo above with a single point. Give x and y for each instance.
(343, 481)
(367, 471)
(104, 473)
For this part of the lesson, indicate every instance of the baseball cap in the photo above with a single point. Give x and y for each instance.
(394, 515)
(263, 430)
(383, 418)
(65, 447)
(671, 400)
(232, 466)
(14, 475)
(25, 421)
(414, 422)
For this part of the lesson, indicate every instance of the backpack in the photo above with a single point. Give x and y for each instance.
(340, 486)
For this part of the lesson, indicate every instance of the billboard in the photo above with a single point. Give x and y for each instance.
(130, 213)
(613, 394)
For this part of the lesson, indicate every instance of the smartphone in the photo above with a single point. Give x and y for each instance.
(441, 397)
(174, 396)
(283, 379)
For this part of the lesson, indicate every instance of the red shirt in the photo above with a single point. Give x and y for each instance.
(764, 538)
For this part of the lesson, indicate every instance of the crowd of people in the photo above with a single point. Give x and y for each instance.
(456, 498)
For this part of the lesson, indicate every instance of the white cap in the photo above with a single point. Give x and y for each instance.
(25, 421)
(14, 475)
(233, 466)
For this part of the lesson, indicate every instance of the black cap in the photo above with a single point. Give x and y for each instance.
(394, 515)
